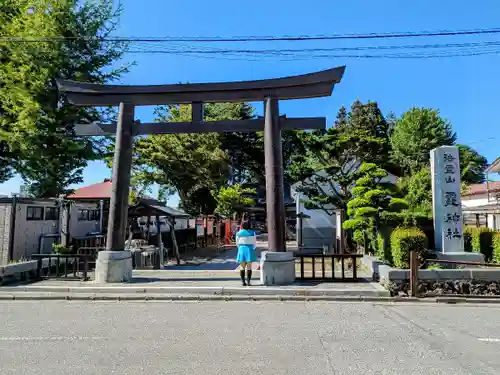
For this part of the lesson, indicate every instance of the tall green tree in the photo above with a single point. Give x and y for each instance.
(415, 134)
(194, 165)
(374, 203)
(197, 165)
(417, 191)
(472, 165)
(52, 39)
(233, 200)
(327, 167)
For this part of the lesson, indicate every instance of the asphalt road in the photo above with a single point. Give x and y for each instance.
(44, 337)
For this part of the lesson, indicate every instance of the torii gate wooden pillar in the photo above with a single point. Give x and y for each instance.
(269, 91)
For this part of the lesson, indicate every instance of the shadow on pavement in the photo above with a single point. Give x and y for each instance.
(145, 280)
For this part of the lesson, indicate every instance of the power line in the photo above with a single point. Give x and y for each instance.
(414, 51)
(212, 39)
(328, 56)
(314, 50)
(185, 47)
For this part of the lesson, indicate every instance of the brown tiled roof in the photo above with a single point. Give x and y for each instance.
(477, 189)
(101, 190)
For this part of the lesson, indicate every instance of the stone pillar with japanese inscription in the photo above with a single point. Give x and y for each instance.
(446, 200)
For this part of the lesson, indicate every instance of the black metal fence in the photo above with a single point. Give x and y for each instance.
(95, 241)
(327, 267)
(65, 266)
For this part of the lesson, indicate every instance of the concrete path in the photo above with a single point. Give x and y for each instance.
(224, 261)
(214, 276)
(202, 338)
(198, 282)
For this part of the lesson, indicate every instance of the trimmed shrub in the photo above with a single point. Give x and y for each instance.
(404, 240)
(482, 242)
(383, 249)
(468, 239)
(58, 248)
(496, 247)
(380, 252)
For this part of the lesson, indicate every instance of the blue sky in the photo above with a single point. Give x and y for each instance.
(465, 89)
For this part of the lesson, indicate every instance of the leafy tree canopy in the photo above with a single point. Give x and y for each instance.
(415, 134)
(417, 190)
(472, 165)
(374, 201)
(233, 200)
(328, 167)
(194, 165)
(36, 125)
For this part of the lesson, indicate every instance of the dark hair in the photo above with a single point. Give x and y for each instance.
(246, 225)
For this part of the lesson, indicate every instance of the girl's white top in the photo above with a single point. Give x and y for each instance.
(247, 240)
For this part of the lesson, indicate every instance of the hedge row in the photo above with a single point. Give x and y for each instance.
(479, 240)
(405, 240)
(496, 247)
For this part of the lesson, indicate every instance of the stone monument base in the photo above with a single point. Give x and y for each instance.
(113, 267)
(462, 257)
(277, 268)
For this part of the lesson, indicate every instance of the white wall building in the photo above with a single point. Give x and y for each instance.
(481, 202)
(30, 226)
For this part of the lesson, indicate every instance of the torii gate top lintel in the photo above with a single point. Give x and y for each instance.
(312, 85)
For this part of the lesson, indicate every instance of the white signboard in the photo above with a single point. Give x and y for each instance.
(446, 200)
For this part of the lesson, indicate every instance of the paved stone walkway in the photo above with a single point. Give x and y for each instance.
(206, 274)
(225, 261)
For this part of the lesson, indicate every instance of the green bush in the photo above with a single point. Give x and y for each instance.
(404, 240)
(61, 249)
(468, 239)
(496, 247)
(383, 250)
(380, 251)
(482, 241)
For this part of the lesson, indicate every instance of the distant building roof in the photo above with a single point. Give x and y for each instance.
(144, 209)
(494, 167)
(101, 190)
(477, 189)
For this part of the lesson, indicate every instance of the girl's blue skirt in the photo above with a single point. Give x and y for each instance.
(246, 254)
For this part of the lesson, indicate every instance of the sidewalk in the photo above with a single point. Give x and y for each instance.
(199, 282)
(207, 277)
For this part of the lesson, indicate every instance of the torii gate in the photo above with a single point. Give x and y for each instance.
(114, 264)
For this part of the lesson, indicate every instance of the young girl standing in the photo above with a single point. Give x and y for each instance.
(247, 242)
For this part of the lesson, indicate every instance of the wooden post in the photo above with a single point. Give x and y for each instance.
(148, 224)
(65, 208)
(414, 266)
(340, 235)
(300, 232)
(197, 113)
(275, 205)
(159, 259)
(122, 162)
(205, 231)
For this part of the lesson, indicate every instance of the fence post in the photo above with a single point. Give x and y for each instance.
(414, 266)
(85, 266)
(39, 268)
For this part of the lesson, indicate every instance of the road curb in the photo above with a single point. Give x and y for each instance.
(191, 297)
(25, 296)
(197, 290)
